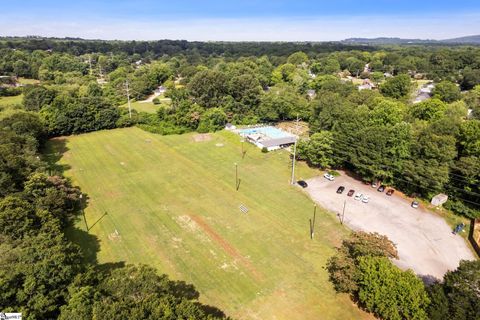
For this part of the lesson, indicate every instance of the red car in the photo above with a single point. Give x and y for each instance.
(390, 192)
(351, 192)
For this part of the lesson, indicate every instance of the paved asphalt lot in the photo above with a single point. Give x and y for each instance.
(424, 241)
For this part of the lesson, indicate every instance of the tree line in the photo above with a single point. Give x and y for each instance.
(43, 274)
(421, 148)
(363, 269)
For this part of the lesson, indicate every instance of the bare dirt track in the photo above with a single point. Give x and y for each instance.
(424, 241)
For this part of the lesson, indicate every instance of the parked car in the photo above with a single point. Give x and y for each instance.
(328, 176)
(365, 199)
(302, 183)
(340, 189)
(390, 192)
(381, 189)
(374, 185)
(415, 204)
(358, 196)
(350, 192)
(459, 228)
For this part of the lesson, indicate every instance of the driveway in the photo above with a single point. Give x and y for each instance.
(424, 241)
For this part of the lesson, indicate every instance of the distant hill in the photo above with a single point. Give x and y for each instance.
(467, 39)
(385, 40)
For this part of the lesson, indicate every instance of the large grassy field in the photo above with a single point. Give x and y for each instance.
(171, 202)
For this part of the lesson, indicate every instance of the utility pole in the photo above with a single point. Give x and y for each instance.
(294, 153)
(313, 224)
(343, 212)
(128, 98)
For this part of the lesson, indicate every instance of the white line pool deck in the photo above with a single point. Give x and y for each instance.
(424, 241)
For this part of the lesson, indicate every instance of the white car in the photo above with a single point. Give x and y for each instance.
(365, 199)
(358, 196)
(328, 176)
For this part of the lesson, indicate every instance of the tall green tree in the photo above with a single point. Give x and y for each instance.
(447, 91)
(398, 87)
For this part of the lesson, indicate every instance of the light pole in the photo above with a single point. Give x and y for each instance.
(343, 212)
(83, 211)
(236, 176)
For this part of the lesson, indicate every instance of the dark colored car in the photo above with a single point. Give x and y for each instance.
(459, 228)
(390, 192)
(350, 192)
(381, 189)
(340, 189)
(302, 183)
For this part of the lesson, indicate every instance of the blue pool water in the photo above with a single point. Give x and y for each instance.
(270, 132)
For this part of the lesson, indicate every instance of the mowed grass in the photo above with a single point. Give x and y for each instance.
(14, 100)
(171, 202)
(148, 107)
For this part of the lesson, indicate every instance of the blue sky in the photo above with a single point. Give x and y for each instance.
(280, 20)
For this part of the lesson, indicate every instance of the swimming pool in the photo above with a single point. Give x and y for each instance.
(271, 132)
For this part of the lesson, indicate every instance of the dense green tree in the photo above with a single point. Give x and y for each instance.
(469, 138)
(133, 292)
(447, 91)
(208, 88)
(398, 87)
(428, 110)
(343, 267)
(457, 297)
(26, 124)
(390, 293)
(318, 150)
(282, 103)
(35, 97)
(283, 73)
(470, 79)
(212, 120)
(355, 66)
(17, 160)
(297, 58)
(326, 66)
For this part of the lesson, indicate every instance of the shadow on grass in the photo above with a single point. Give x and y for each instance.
(52, 152)
(88, 243)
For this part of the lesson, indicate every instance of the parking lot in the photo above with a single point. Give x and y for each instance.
(424, 241)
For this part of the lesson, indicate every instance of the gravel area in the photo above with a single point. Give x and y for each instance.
(424, 240)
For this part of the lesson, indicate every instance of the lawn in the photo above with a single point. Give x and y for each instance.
(171, 202)
(148, 107)
(6, 101)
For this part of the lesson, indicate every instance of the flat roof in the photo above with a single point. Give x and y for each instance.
(278, 141)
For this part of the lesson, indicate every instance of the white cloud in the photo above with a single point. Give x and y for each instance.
(281, 29)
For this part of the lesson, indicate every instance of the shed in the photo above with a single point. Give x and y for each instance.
(439, 199)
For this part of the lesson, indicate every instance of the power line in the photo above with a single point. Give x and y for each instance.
(409, 182)
(345, 143)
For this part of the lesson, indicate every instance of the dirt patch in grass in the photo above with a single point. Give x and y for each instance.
(114, 236)
(291, 126)
(229, 249)
(201, 137)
